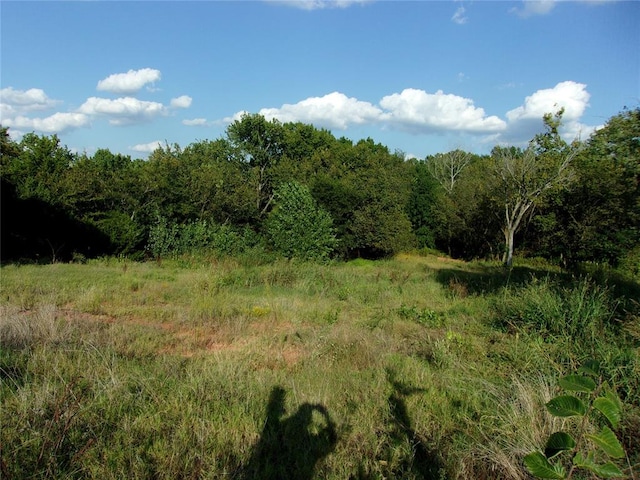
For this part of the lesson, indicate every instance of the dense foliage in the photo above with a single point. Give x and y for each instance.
(571, 203)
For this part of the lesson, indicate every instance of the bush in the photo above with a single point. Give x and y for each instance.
(630, 264)
(298, 227)
(171, 239)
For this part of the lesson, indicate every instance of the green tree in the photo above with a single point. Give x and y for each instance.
(261, 143)
(597, 218)
(38, 169)
(9, 149)
(423, 205)
(456, 206)
(219, 182)
(297, 227)
(525, 177)
(366, 190)
(473, 221)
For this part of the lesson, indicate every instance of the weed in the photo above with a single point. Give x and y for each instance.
(425, 316)
(588, 448)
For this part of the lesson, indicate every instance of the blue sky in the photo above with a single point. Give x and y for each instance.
(418, 76)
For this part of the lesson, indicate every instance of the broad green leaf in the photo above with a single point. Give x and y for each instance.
(613, 396)
(566, 406)
(590, 367)
(577, 383)
(608, 442)
(607, 470)
(609, 409)
(558, 442)
(539, 466)
(585, 462)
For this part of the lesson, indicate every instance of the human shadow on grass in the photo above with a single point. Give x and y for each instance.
(290, 448)
(426, 462)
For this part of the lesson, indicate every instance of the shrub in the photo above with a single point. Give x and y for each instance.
(589, 399)
(172, 239)
(298, 227)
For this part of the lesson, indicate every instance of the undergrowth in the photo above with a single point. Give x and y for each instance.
(412, 367)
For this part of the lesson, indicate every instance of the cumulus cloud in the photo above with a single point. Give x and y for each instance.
(527, 118)
(459, 17)
(418, 111)
(412, 110)
(235, 117)
(571, 96)
(146, 147)
(195, 122)
(334, 110)
(183, 101)
(124, 110)
(130, 82)
(56, 123)
(17, 106)
(17, 101)
(529, 8)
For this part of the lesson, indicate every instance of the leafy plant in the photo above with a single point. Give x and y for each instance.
(422, 316)
(589, 397)
(298, 227)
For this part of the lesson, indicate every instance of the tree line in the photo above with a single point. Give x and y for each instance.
(298, 191)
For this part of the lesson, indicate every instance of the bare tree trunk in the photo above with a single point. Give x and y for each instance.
(513, 219)
(509, 233)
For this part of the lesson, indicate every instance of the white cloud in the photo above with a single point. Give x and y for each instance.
(418, 111)
(56, 123)
(530, 8)
(16, 104)
(233, 118)
(318, 4)
(130, 82)
(146, 147)
(183, 101)
(526, 120)
(334, 110)
(459, 17)
(195, 122)
(571, 96)
(123, 111)
(412, 110)
(25, 100)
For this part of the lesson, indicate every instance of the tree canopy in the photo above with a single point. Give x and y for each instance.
(299, 189)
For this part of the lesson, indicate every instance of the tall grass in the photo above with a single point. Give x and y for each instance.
(231, 368)
(516, 425)
(582, 311)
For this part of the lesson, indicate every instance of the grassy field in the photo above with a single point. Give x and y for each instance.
(413, 367)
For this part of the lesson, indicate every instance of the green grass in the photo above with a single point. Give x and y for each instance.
(413, 367)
